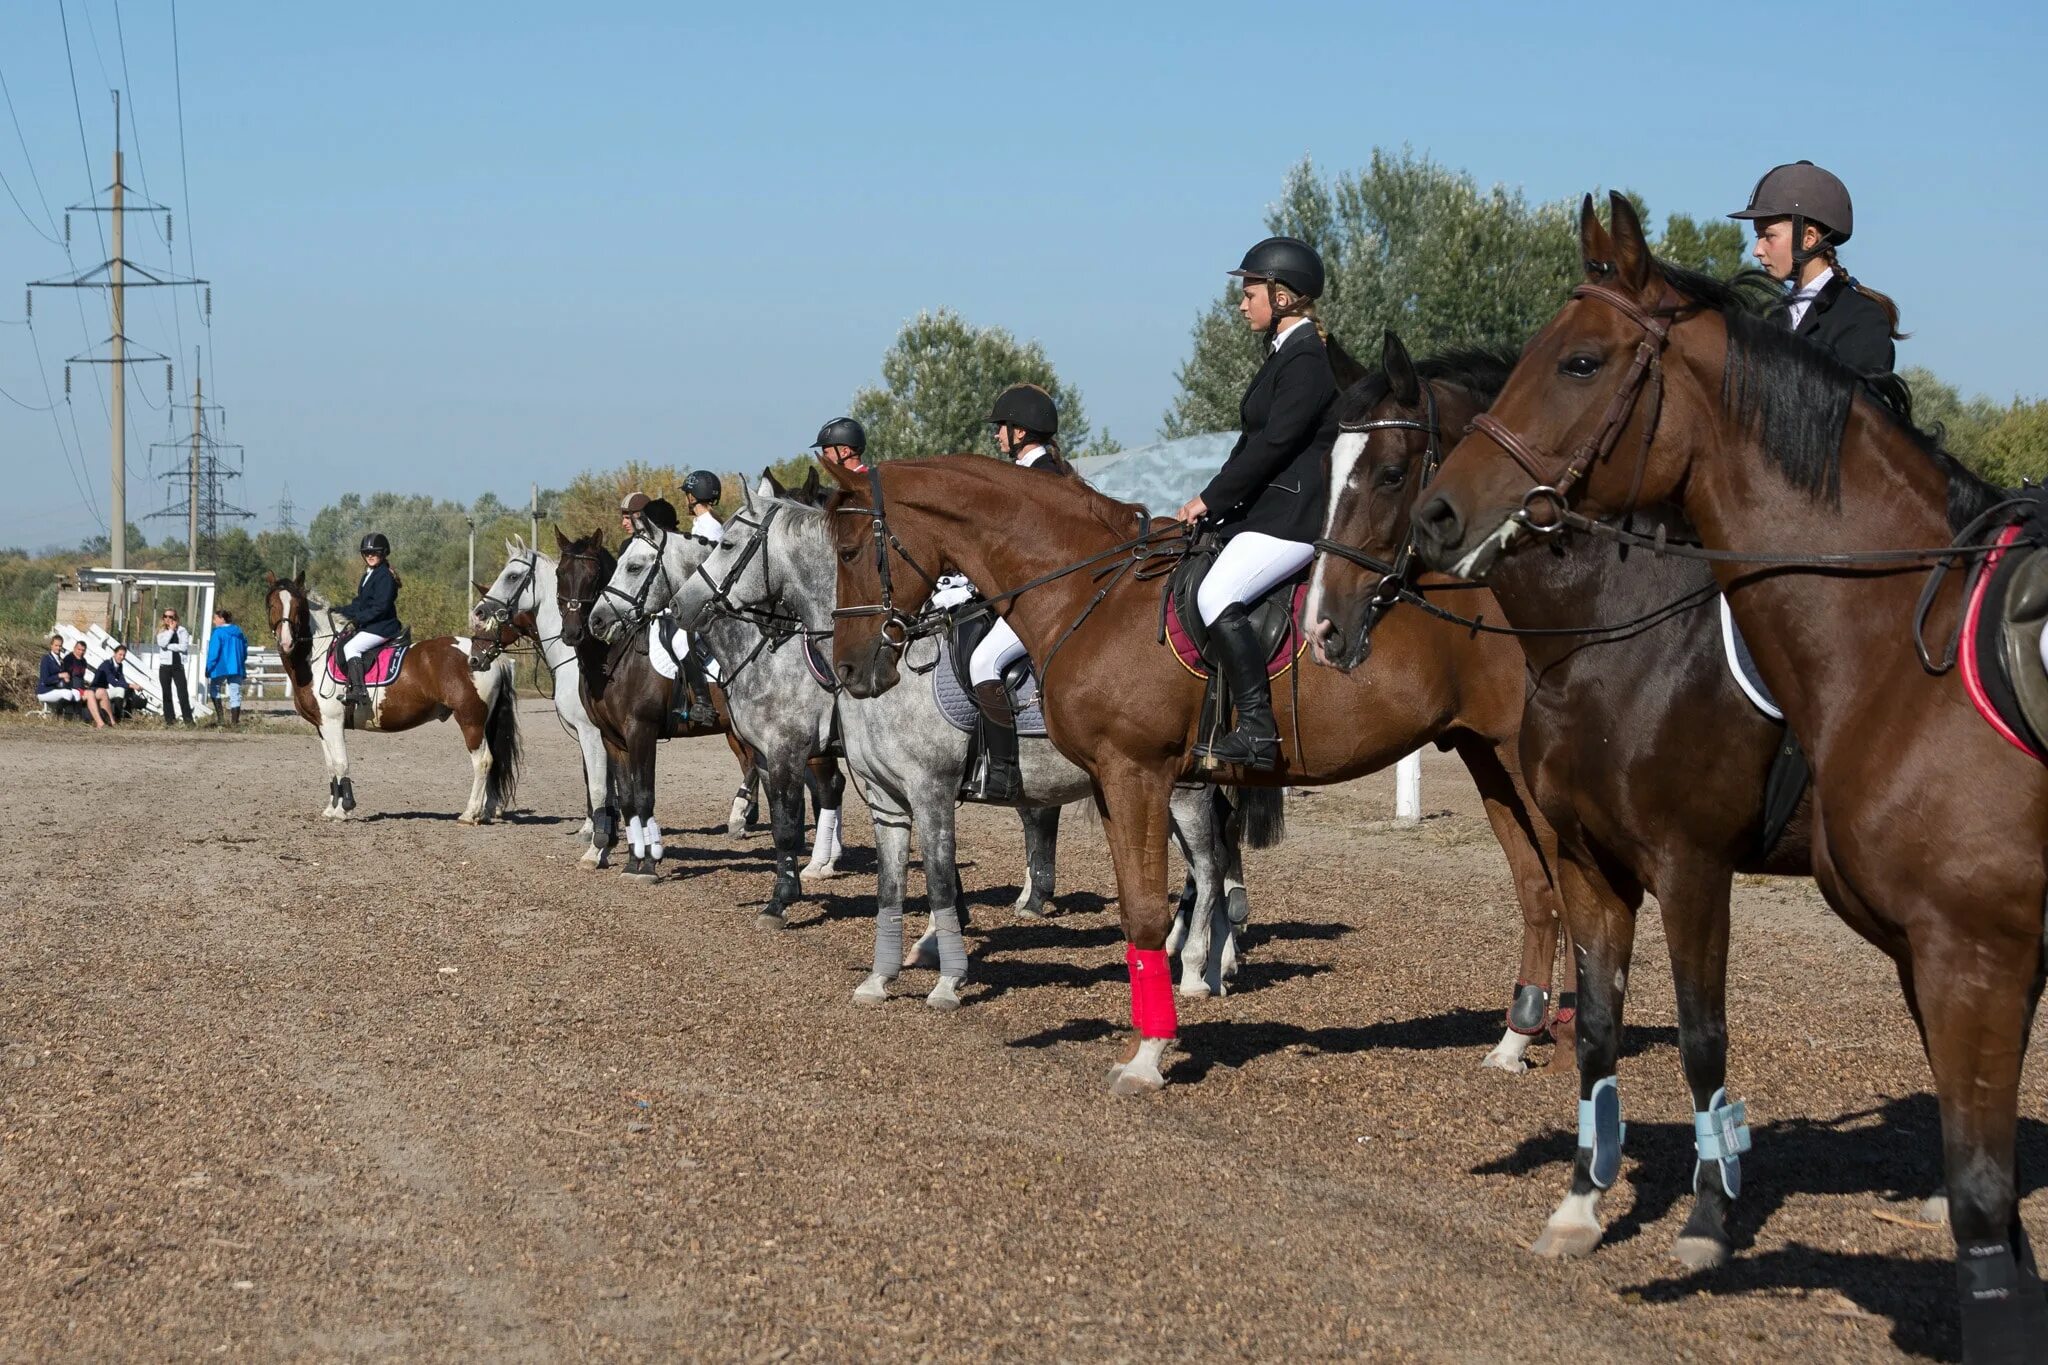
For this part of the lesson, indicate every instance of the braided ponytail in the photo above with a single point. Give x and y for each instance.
(1884, 301)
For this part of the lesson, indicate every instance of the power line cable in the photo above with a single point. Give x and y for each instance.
(142, 170)
(30, 161)
(92, 196)
(185, 186)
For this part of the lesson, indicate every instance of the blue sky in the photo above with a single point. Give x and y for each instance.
(458, 247)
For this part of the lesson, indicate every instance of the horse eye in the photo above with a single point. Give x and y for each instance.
(846, 554)
(1580, 366)
(1391, 475)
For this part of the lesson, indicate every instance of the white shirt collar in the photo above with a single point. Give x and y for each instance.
(1029, 455)
(1285, 336)
(1803, 297)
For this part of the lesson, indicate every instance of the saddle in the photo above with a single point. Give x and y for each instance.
(954, 692)
(383, 665)
(1274, 617)
(2004, 613)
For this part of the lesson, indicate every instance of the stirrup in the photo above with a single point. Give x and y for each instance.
(1010, 788)
(1241, 750)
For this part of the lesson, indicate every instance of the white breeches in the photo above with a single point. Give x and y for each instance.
(1251, 563)
(997, 651)
(361, 643)
(61, 694)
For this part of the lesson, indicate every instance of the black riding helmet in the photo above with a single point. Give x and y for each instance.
(842, 431)
(375, 544)
(703, 486)
(1028, 408)
(1285, 260)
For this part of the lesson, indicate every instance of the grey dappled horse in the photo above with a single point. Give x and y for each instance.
(775, 567)
(774, 704)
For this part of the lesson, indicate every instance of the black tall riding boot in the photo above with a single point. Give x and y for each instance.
(358, 691)
(1255, 743)
(701, 715)
(1001, 778)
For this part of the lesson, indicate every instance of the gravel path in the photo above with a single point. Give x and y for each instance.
(273, 1088)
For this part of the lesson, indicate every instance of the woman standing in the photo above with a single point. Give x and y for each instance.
(1268, 499)
(173, 643)
(1802, 214)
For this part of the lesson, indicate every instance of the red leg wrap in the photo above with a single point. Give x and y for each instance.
(1152, 1010)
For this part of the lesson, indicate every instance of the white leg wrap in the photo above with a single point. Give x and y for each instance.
(653, 833)
(634, 838)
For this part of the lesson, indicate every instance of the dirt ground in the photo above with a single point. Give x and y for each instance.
(276, 1088)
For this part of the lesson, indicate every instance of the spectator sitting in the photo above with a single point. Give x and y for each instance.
(110, 683)
(53, 680)
(227, 659)
(79, 673)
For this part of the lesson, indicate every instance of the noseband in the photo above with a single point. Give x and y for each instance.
(495, 610)
(1556, 474)
(898, 629)
(635, 611)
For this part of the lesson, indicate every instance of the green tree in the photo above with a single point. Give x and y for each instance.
(938, 380)
(1422, 249)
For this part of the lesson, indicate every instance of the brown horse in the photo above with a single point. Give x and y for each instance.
(1608, 715)
(1121, 706)
(435, 683)
(1653, 384)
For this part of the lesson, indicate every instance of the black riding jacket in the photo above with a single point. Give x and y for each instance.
(1277, 478)
(1850, 324)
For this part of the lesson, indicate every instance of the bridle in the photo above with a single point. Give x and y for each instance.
(1395, 578)
(636, 612)
(500, 611)
(1555, 474)
(722, 600)
(898, 628)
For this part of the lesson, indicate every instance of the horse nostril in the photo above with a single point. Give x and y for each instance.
(1438, 522)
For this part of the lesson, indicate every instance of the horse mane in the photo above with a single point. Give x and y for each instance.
(1795, 396)
(1479, 370)
(1124, 519)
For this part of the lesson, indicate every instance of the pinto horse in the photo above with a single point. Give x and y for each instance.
(435, 683)
(1607, 712)
(1816, 506)
(1121, 706)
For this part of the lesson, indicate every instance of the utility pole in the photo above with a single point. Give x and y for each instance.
(192, 478)
(533, 508)
(118, 275)
(469, 583)
(201, 474)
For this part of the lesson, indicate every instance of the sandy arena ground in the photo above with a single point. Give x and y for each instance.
(275, 1088)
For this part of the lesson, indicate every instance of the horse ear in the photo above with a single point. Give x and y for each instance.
(481, 590)
(811, 485)
(301, 579)
(1596, 247)
(269, 579)
(773, 484)
(561, 541)
(1631, 244)
(847, 479)
(1403, 384)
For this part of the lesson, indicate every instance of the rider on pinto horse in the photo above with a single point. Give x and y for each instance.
(374, 613)
(1268, 499)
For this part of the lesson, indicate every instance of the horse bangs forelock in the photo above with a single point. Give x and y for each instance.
(1478, 370)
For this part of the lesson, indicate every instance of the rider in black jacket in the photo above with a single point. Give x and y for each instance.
(374, 612)
(1801, 214)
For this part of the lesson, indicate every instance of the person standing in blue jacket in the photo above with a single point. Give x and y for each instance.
(227, 660)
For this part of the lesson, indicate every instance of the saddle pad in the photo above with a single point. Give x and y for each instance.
(1743, 666)
(660, 652)
(958, 707)
(1289, 648)
(1980, 658)
(384, 664)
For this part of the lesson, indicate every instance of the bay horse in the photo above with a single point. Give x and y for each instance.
(775, 568)
(632, 704)
(1610, 718)
(1121, 706)
(1654, 384)
(434, 683)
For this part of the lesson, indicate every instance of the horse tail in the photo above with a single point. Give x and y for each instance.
(1263, 814)
(501, 733)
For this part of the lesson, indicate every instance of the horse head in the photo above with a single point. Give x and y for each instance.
(582, 567)
(513, 593)
(652, 568)
(290, 611)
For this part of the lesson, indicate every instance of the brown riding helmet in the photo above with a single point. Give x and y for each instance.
(633, 504)
(1801, 189)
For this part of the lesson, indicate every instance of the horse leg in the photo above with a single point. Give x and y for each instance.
(744, 805)
(1237, 901)
(638, 803)
(828, 790)
(341, 793)
(934, 818)
(604, 821)
(470, 716)
(1513, 817)
(596, 791)
(1694, 905)
(1195, 828)
(1134, 803)
(891, 819)
(1041, 849)
(1977, 1024)
(1603, 922)
(786, 816)
(1934, 1208)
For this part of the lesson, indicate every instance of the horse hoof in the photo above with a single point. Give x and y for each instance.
(1934, 1209)
(873, 991)
(642, 878)
(1565, 1241)
(467, 819)
(924, 954)
(821, 872)
(770, 919)
(946, 995)
(1131, 1080)
(1193, 985)
(1510, 1054)
(1030, 909)
(1699, 1253)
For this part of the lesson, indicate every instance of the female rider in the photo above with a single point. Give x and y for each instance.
(1268, 499)
(701, 491)
(1027, 427)
(1801, 214)
(375, 613)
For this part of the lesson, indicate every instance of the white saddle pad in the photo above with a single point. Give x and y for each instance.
(1743, 667)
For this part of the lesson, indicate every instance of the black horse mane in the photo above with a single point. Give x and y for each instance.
(1479, 370)
(1796, 396)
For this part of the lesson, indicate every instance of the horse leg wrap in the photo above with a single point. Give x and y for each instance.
(1601, 1132)
(1152, 1012)
(1721, 1135)
(333, 791)
(604, 828)
(652, 831)
(1530, 1007)
(635, 838)
(1567, 1009)
(348, 793)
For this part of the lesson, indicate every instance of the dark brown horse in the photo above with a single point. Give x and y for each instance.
(434, 683)
(1653, 384)
(1607, 713)
(1120, 704)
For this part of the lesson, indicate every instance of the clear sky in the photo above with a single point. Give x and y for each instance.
(462, 246)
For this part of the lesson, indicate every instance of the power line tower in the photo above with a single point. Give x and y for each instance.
(113, 275)
(286, 521)
(208, 464)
